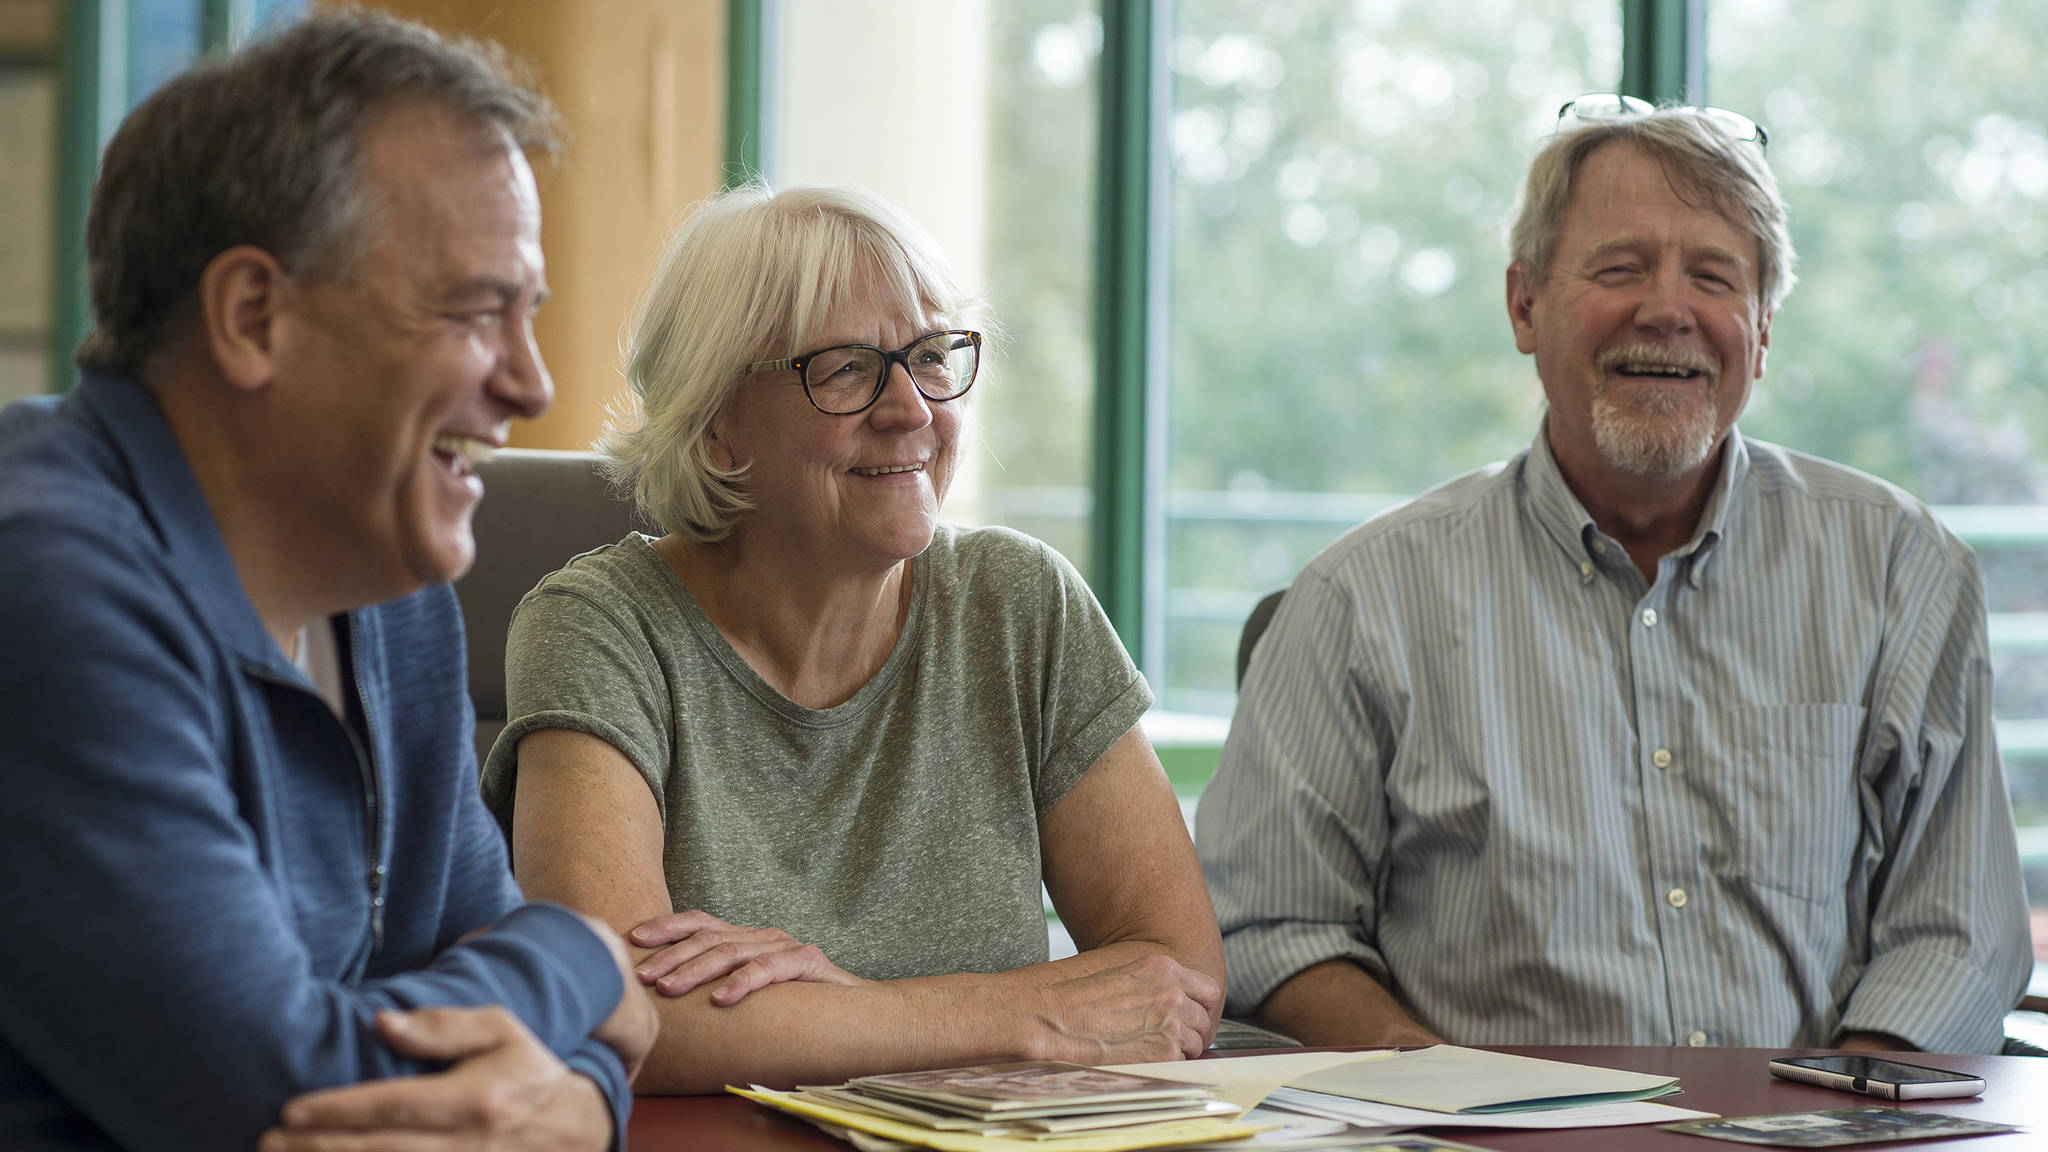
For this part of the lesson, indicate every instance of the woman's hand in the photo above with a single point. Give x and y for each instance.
(701, 948)
(1153, 1008)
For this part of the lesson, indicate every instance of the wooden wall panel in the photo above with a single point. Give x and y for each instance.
(641, 86)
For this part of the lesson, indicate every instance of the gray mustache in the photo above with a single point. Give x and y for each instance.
(1658, 355)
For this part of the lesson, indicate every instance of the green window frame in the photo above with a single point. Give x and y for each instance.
(95, 90)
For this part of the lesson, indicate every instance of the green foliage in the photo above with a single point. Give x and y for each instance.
(1915, 161)
(1342, 175)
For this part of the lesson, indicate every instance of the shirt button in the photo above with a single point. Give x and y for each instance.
(1697, 1039)
(1585, 567)
(1649, 617)
(1599, 547)
(1675, 897)
(1661, 757)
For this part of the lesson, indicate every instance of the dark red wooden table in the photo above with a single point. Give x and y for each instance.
(1730, 1081)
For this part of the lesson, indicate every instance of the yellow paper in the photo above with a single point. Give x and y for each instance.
(1121, 1140)
(1246, 1080)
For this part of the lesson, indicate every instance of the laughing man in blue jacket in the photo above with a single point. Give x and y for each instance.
(247, 890)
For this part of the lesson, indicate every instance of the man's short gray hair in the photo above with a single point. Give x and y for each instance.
(752, 274)
(263, 146)
(1707, 165)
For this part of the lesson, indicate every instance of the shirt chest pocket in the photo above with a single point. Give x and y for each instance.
(1791, 797)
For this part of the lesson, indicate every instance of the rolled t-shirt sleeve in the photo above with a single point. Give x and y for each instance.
(1092, 691)
(577, 658)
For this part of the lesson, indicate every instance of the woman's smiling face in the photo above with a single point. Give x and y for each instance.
(857, 491)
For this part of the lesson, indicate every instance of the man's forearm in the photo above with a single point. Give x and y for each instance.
(1875, 1042)
(598, 1065)
(1337, 1004)
(500, 1084)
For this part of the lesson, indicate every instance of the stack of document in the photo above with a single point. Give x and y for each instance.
(1042, 1105)
(1026, 1098)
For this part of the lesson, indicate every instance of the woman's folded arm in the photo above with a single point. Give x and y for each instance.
(1147, 985)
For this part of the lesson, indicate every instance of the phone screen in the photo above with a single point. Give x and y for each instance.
(1876, 1068)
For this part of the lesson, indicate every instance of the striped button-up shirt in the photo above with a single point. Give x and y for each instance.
(1542, 800)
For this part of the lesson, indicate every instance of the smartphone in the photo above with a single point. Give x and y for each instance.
(1877, 1076)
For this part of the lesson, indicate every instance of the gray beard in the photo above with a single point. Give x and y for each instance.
(1658, 440)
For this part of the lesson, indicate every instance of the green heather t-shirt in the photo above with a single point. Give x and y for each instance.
(897, 831)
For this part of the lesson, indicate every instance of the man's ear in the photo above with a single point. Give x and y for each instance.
(1763, 345)
(241, 301)
(1522, 307)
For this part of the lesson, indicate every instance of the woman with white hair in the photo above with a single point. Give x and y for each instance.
(814, 750)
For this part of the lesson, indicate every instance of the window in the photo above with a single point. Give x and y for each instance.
(1337, 176)
(997, 162)
(28, 156)
(113, 54)
(1340, 174)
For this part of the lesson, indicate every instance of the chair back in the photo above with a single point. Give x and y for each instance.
(540, 508)
(1255, 627)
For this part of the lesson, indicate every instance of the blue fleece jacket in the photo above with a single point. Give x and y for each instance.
(209, 883)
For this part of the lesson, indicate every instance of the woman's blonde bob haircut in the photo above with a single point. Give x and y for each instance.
(752, 274)
(1707, 165)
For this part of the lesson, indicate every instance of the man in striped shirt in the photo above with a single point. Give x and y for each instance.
(1653, 734)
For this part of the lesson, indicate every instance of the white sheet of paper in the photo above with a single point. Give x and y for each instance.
(1290, 1126)
(1291, 1131)
(1448, 1078)
(1371, 1115)
(1246, 1080)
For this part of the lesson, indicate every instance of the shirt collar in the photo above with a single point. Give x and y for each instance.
(1706, 539)
(164, 487)
(1572, 529)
